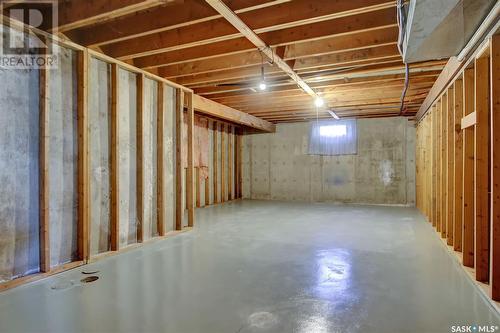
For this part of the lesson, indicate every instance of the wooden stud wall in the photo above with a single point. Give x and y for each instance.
(457, 143)
(83, 191)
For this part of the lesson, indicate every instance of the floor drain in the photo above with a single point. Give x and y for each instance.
(90, 272)
(89, 279)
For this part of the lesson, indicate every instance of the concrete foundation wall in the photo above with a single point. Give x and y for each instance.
(277, 166)
(63, 158)
(127, 157)
(99, 159)
(19, 173)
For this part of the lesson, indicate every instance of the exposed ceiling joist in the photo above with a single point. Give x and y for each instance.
(77, 14)
(229, 15)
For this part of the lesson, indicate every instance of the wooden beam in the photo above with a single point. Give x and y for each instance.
(215, 159)
(140, 157)
(482, 251)
(44, 79)
(458, 165)
(190, 161)
(468, 173)
(217, 110)
(160, 187)
(439, 169)
(495, 166)
(229, 15)
(83, 158)
(179, 169)
(115, 166)
(77, 14)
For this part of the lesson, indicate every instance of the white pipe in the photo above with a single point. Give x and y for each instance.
(483, 29)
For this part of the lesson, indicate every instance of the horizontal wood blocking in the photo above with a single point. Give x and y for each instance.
(469, 120)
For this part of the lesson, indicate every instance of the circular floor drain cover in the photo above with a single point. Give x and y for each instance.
(62, 285)
(89, 279)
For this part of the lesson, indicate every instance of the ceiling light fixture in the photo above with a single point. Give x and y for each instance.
(319, 102)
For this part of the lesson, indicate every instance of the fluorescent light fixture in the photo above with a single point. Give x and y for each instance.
(319, 102)
(262, 85)
(333, 114)
(333, 131)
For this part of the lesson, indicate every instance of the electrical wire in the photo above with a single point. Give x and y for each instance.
(402, 21)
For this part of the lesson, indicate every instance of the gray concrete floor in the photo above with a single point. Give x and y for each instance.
(255, 266)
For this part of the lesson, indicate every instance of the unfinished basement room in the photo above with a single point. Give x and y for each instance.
(249, 166)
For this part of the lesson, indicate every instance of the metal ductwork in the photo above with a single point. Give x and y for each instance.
(438, 29)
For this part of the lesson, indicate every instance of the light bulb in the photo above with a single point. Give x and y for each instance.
(319, 102)
(262, 86)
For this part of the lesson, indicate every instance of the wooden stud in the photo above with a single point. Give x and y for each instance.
(223, 162)
(495, 166)
(230, 162)
(140, 157)
(190, 166)
(83, 158)
(207, 178)
(198, 186)
(179, 169)
(115, 167)
(160, 187)
(468, 209)
(439, 168)
(481, 169)
(444, 165)
(434, 165)
(215, 158)
(451, 167)
(44, 171)
(458, 165)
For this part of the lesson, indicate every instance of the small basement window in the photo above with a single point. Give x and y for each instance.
(333, 137)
